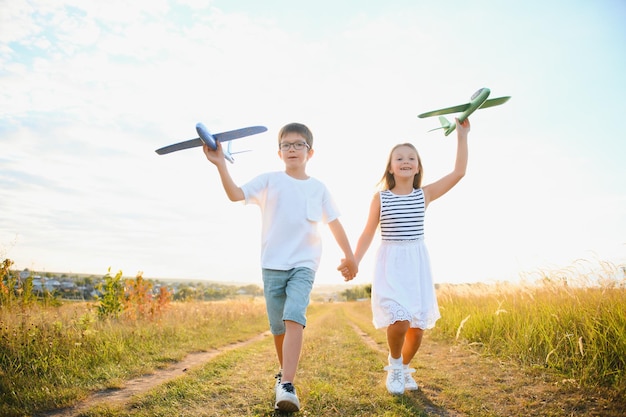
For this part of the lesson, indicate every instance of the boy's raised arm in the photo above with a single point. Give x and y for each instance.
(216, 157)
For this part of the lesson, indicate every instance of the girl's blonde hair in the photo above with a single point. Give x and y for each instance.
(387, 182)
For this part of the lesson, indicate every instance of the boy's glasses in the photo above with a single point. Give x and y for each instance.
(298, 146)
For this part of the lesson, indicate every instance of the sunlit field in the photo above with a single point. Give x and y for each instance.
(571, 320)
(53, 354)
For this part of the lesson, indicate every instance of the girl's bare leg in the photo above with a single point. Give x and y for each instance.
(396, 333)
(412, 343)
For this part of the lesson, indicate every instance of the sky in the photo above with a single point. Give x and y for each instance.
(89, 90)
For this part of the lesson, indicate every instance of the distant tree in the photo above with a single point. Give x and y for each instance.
(15, 290)
(111, 300)
(252, 289)
(356, 293)
(185, 293)
(140, 301)
(138, 297)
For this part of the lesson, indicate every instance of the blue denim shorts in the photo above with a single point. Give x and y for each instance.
(287, 296)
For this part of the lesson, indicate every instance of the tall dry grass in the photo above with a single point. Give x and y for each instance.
(571, 320)
(52, 356)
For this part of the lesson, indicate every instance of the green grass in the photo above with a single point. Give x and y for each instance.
(52, 357)
(339, 374)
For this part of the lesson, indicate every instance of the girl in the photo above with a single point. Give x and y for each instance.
(403, 293)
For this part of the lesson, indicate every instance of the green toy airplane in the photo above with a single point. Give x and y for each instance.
(478, 101)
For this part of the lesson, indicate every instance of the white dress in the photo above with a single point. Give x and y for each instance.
(403, 287)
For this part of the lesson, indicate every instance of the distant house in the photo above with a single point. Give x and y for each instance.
(52, 285)
(68, 285)
(37, 285)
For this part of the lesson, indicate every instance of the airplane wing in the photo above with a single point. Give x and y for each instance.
(447, 110)
(192, 143)
(222, 137)
(239, 133)
(462, 107)
(495, 102)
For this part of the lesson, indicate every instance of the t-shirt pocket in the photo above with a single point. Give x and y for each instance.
(314, 212)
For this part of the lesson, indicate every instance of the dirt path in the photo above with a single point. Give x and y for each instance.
(427, 394)
(453, 377)
(147, 382)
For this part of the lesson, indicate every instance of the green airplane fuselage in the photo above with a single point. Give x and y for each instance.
(477, 100)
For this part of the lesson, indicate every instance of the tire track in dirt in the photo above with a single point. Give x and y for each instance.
(146, 382)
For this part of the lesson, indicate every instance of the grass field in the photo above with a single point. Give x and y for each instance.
(580, 332)
(494, 344)
(51, 357)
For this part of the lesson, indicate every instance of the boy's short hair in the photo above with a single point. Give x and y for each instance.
(299, 128)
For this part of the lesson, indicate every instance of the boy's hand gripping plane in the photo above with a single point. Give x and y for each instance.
(210, 139)
(477, 101)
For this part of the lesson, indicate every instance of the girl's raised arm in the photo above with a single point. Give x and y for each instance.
(438, 188)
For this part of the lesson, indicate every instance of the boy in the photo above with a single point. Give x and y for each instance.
(292, 203)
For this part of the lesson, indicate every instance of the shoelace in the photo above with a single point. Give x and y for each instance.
(396, 374)
(288, 387)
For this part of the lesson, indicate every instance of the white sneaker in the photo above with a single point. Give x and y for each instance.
(286, 398)
(409, 382)
(395, 379)
(279, 377)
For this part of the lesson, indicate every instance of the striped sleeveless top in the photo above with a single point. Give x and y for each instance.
(402, 216)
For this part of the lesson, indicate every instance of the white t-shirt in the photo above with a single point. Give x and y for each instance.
(290, 210)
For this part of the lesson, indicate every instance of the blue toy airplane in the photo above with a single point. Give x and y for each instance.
(477, 101)
(206, 137)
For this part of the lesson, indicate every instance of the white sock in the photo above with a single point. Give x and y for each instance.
(393, 361)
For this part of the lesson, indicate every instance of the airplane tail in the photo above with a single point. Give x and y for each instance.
(445, 125)
(228, 153)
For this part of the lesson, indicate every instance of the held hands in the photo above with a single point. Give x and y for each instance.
(348, 269)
